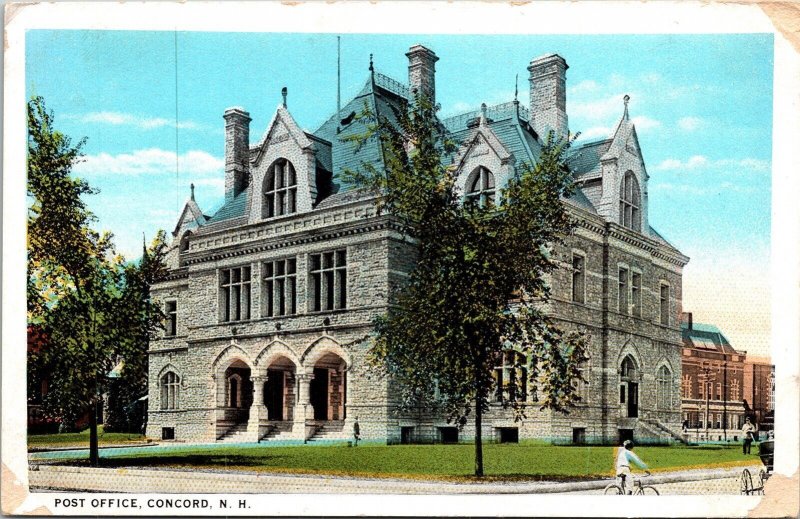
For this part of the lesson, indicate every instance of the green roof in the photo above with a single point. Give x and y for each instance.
(706, 337)
(586, 158)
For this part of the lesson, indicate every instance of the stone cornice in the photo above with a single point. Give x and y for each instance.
(233, 250)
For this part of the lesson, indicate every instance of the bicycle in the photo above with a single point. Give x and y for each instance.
(639, 489)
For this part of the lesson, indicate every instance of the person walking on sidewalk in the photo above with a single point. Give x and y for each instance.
(747, 433)
(624, 459)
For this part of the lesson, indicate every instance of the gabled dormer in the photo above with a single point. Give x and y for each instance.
(190, 219)
(483, 164)
(284, 169)
(624, 179)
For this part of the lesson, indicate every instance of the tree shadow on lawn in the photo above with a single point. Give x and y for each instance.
(184, 460)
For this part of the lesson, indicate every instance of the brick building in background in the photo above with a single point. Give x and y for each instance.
(759, 392)
(720, 385)
(269, 300)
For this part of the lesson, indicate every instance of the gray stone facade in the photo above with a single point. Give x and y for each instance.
(275, 294)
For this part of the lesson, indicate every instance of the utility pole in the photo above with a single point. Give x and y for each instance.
(725, 400)
(707, 381)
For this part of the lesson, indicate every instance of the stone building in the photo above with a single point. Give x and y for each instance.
(713, 384)
(270, 299)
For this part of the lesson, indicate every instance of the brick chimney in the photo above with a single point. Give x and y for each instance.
(686, 317)
(422, 71)
(549, 95)
(237, 151)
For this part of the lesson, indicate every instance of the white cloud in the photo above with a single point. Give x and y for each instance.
(150, 161)
(144, 123)
(596, 132)
(677, 188)
(690, 123)
(701, 161)
(215, 182)
(644, 123)
(587, 85)
(597, 109)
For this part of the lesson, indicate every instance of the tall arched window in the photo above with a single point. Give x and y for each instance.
(280, 189)
(170, 384)
(664, 381)
(630, 203)
(480, 188)
(511, 377)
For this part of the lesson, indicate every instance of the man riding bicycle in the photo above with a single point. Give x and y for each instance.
(624, 460)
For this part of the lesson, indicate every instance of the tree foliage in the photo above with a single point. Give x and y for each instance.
(92, 306)
(480, 285)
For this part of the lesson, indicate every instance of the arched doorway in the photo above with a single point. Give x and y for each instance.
(629, 387)
(280, 391)
(238, 394)
(327, 390)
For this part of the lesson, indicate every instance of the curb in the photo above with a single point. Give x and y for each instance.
(117, 480)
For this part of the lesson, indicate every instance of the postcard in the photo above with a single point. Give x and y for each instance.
(400, 259)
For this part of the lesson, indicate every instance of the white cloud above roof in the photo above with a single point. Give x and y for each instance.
(132, 120)
(150, 161)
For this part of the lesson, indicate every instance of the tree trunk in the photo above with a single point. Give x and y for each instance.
(478, 439)
(94, 451)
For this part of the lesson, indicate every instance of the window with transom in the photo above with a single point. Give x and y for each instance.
(630, 203)
(170, 384)
(328, 285)
(280, 189)
(664, 387)
(235, 294)
(480, 188)
(686, 385)
(511, 377)
(280, 287)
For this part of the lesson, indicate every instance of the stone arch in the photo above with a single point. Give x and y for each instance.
(272, 351)
(169, 367)
(630, 350)
(229, 354)
(320, 348)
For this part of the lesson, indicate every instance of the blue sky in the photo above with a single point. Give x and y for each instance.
(702, 105)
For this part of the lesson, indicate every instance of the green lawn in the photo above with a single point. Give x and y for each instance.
(81, 439)
(505, 461)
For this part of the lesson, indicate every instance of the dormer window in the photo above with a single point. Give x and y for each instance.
(280, 190)
(630, 203)
(480, 188)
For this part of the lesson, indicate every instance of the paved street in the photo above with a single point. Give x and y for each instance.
(136, 480)
(726, 485)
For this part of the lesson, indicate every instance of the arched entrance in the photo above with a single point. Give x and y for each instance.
(629, 387)
(279, 390)
(327, 389)
(238, 393)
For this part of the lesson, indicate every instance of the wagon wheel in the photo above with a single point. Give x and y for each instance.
(762, 475)
(747, 482)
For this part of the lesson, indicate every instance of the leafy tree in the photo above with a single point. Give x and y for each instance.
(479, 287)
(92, 307)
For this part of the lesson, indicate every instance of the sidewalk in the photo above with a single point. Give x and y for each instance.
(139, 480)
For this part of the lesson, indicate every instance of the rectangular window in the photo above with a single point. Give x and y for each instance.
(636, 293)
(664, 304)
(623, 290)
(578, 278)
(171, 326)
(280, 287)
(235, 294)
(328, 281)
(167, 433)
